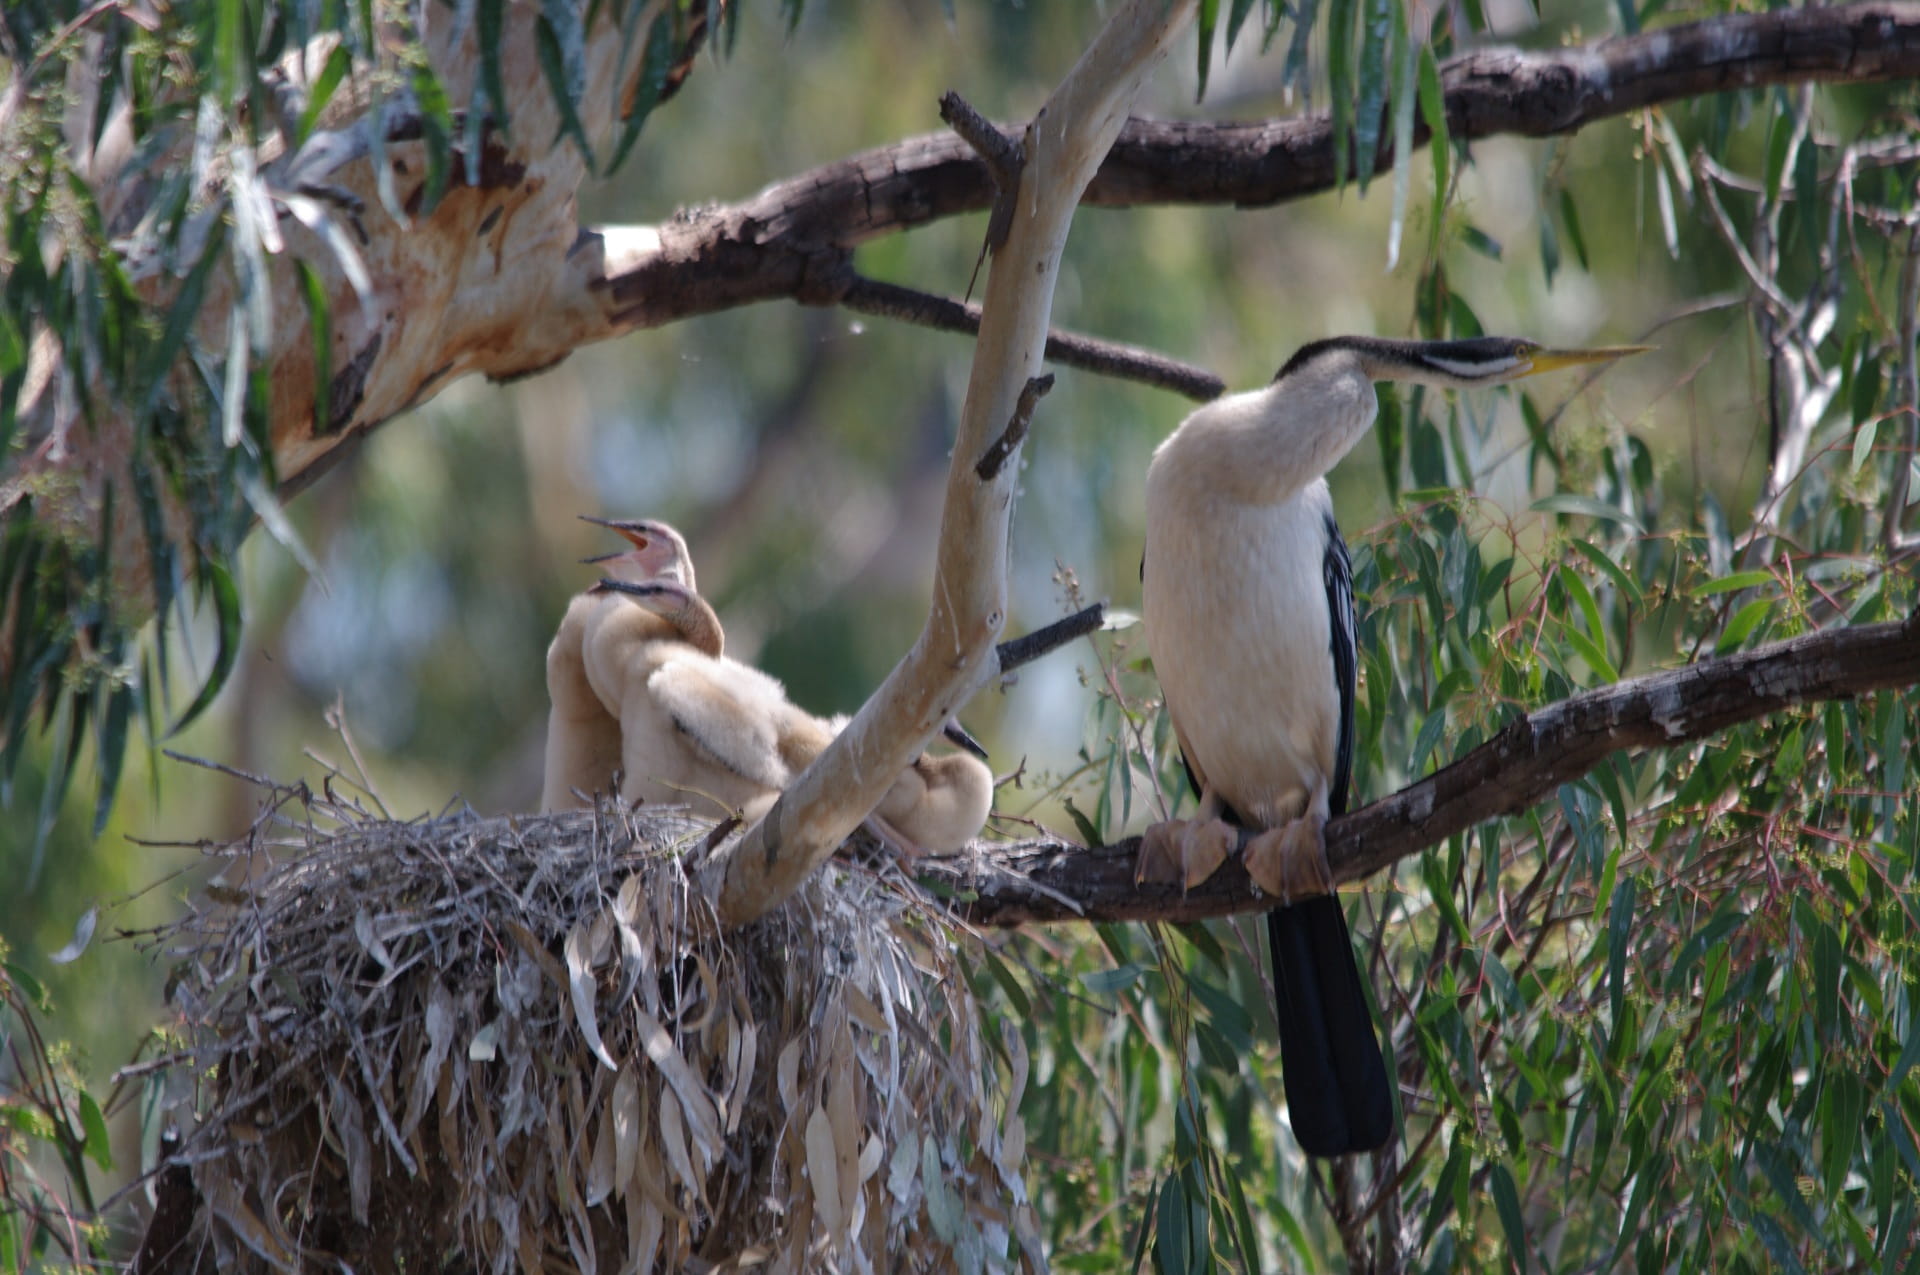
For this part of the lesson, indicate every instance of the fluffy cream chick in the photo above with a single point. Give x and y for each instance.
(583, 749)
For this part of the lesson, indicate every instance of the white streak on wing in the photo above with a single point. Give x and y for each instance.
(1472, 371)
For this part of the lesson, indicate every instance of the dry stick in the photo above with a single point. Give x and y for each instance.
(1069, 349)
(1004, 158)
(1024, 650)
(954, 655)
(1526, 761)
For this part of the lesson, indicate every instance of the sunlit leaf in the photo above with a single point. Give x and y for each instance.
(1744, 622)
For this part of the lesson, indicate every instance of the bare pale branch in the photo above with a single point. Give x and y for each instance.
(954, 655)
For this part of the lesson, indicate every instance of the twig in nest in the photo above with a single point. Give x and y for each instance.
(989, 466)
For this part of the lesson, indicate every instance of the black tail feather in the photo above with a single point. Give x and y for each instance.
(1338, 1100)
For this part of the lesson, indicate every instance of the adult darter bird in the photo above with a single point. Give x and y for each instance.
(1248, 606)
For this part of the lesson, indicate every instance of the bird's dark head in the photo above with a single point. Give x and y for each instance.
(1481, 360)
(657, 552)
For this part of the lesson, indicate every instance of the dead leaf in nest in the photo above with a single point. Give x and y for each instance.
(497, 935)
(787, 1075)
(645, 1226)
(747, 1039)
(580, 980)
(363, 930)
(846, 1139)
(626, 1128)
(673, 1139)
(824, 1173)
(485, 1045)
(704, 1122)
(349, 1125)
(600, 1170)
(426, 1077)
(246, 1225)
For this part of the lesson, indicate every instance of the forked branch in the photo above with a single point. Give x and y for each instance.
(954, 656)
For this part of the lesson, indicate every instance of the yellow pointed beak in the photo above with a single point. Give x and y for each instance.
(1554, 360)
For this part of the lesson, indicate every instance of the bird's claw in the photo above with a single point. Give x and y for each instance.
(1290, 862)
(1183, 852)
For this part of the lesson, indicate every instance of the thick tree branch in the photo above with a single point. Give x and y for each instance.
(955, 655)
(499, 279)
(1490, 92)
(1047, 880)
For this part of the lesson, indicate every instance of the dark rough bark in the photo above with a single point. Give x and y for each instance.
(1044, 880)
(1489, 92)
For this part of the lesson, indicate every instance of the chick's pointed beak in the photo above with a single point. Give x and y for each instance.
(1554, 360)
(957, 734)
(634, 530)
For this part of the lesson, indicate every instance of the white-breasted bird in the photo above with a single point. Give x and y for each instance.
(1248, 608)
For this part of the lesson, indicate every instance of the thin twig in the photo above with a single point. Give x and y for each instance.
(995, 457)
(1072, 349)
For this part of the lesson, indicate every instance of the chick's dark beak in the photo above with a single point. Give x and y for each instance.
(957, 734)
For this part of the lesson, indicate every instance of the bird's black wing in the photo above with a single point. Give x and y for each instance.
(1338, 1100)
(1344, 643)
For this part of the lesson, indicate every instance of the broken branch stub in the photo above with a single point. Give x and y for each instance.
(954, 655)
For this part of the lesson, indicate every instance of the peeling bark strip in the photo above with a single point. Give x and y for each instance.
(1052, 881)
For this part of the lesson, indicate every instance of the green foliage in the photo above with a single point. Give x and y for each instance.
(1668, 1018)
(119, 309)
(1664, 1020)
(51, 1129)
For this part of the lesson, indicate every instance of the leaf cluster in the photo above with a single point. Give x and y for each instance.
(147, 162)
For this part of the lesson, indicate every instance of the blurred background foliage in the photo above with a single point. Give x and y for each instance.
(1666, 1021)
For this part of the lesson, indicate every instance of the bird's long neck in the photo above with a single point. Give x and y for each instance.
(1267, 444)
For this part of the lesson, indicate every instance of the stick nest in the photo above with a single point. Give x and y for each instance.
(469, 1043)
